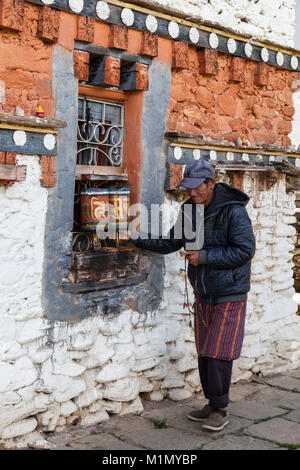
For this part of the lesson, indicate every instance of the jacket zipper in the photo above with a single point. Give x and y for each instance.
(202, 270)
(203, 280)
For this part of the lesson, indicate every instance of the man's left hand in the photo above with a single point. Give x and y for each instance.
(192, 257)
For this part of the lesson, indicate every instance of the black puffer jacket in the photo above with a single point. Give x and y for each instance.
(223, 274)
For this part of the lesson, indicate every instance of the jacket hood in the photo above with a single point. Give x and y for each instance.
(224, 194)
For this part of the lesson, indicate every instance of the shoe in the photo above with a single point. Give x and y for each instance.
(216, 421)
(200, 415)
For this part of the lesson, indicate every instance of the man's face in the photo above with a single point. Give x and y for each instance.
(203, 193)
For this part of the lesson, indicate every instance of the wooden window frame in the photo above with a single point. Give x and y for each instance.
(126, 269)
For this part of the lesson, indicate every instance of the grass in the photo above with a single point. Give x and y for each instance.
(279, 444)
(159, 424)
(289, 446)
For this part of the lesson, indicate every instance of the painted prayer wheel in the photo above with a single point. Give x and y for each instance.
(119, 199)
(94, 208)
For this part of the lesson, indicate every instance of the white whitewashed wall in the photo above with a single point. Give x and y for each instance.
(23, 211)
(273, 20)
(105, 364)
(102, 365)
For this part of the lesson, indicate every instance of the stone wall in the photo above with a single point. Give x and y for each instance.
(272, 330)
(261, 19)
(221, 107)
(62, 362)
(26, 61)
(23, 207)
(296, 258)
(58, 373)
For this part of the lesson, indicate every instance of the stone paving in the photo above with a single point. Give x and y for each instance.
(264, 415)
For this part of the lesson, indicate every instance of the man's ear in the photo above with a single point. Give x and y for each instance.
(212, 183)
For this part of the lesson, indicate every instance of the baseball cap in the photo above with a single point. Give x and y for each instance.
(196, 172)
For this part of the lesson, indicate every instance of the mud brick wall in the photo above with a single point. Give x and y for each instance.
(25, 58)
(296, 258)
(231, 98)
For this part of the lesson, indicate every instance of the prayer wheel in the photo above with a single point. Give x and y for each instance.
(119, 205)
(94, 208)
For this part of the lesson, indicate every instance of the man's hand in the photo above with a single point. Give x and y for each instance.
(192, 257)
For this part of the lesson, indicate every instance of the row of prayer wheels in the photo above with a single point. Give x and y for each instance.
(105, 210)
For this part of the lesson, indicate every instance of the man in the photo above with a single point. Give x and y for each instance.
(219, 273)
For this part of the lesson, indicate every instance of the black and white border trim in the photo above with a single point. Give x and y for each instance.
(116, 14)
(183, 155)
(28, 142)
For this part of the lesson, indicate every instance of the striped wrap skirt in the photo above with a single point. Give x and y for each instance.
(219, 329)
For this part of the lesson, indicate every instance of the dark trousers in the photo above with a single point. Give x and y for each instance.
(215, 377)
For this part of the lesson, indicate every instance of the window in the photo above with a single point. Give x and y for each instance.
(99, 171)
(100, 132)
(101, 179)
(108, 153)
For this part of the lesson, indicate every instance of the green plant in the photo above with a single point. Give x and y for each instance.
(159, 424)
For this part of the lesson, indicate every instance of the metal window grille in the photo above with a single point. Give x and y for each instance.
(100, 133)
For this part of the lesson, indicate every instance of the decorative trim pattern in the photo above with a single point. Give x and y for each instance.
(192, 33)
(182, 154)
(28, 142)
(29, 135)
(228, 161)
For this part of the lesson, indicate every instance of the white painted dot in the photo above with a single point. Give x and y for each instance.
(196, 154)
(271, 158)
(213, 40)
(127, 16)
(297, 162)
(279, 59)
(213, 155)
(245, 157)
(264, 54)
(76, 5)
(248, 50)
(231, 45)
(173, 29)
(177, 153)
(151, 23)
(102, 10)
(294, 62)
(20, 138)
(230, 156)
(47, 2)
(194, 35)
(259, 157)
(49, 141)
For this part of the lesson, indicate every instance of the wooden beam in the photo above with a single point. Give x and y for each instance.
(160, 11)
(40, 130)
(101, 171)
(253, 167)
(104, 71)
(32, 121)
(101, 178)
(13, 172)
(134, 77)
(196, 142)
(164, 16)
(286, 167)
(101, 285)
(90, 91)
